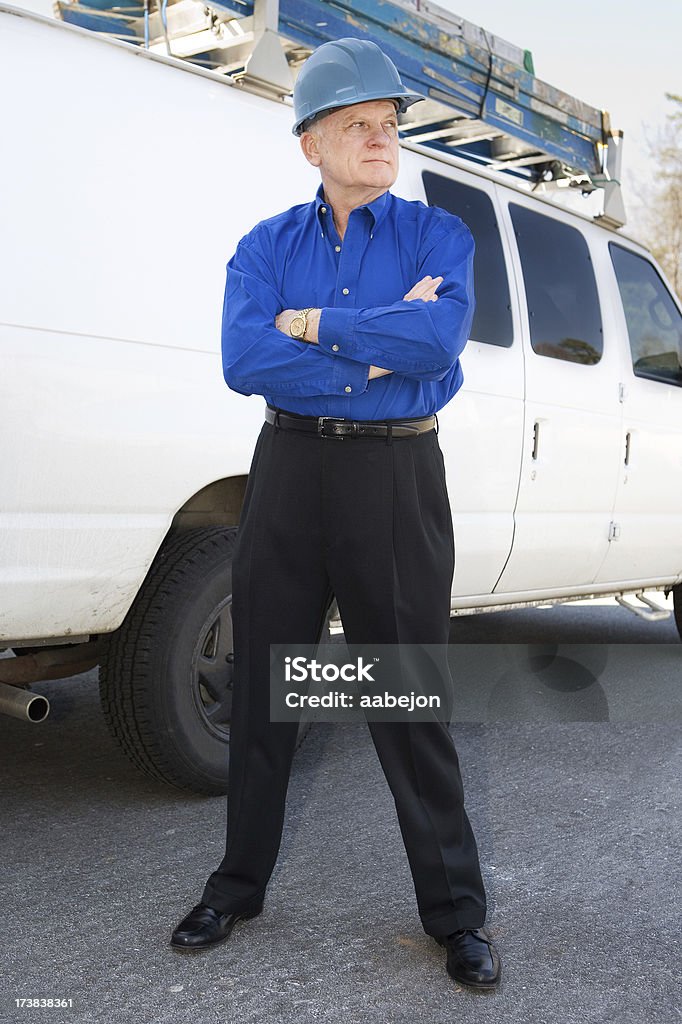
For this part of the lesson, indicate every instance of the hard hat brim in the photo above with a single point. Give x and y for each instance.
(405, 100)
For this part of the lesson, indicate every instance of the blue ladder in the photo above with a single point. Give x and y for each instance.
(483, 99)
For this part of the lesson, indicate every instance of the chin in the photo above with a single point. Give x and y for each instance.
(381, 175)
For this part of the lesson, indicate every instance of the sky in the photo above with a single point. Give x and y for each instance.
(618, 55)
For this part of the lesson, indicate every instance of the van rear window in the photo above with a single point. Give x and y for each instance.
(561, 291)
(653, 320)
(492, 318)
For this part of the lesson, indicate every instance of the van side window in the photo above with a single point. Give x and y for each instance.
(492, 318)
(561, 292)
(653, 320)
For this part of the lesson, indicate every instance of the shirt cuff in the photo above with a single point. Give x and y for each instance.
(350, 378)
(336, 331)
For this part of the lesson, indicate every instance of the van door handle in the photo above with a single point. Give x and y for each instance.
(536, 437)
(627, 448)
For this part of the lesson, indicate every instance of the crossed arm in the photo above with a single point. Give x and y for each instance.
(424, 289)
(419, 336)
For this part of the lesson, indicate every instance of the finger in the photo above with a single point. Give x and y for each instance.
(422, 282)
(421, 286)
(431, 290)
(424, 287)
(418, 290)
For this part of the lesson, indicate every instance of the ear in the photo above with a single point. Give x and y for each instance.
(310, 148)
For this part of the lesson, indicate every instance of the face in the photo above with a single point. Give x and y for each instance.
(356, 146)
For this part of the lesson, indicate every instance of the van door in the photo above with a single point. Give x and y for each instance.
(481, 428)
(647, 516)
(573, 414)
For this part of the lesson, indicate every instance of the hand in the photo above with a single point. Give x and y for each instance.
(424, 289)
(377, 371)
(283, 320)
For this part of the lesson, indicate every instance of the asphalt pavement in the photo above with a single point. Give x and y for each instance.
(575, 806)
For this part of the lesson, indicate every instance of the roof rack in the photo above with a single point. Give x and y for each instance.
(483, 101)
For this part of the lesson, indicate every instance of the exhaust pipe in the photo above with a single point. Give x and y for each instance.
(19, 703)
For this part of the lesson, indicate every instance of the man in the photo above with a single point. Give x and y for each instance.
(348, 314)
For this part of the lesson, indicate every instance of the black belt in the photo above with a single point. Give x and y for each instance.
(331, 426)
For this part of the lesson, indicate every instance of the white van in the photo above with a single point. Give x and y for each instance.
(127, 181)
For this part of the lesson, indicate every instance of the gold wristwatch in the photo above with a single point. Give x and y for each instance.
(299, 324)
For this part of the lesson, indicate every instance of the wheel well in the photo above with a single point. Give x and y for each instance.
(217, 504)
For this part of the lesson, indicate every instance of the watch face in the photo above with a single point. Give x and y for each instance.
(297, 327)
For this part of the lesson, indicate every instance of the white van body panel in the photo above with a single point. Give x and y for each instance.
(138, 175)
(480, 430)
(114, 410)
(648, 504)
(566, 491)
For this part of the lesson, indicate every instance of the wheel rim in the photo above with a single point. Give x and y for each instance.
(212, 668)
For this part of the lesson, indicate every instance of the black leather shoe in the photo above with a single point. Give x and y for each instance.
(204, 927)
(472, 958)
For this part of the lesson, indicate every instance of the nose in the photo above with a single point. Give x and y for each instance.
(379, 136)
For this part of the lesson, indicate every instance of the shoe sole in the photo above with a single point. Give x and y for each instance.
(481, 986)
(182, 948)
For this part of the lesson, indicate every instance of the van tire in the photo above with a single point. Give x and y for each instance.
(677, 607)
(172, 642)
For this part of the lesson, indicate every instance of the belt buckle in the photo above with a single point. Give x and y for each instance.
(333, 426)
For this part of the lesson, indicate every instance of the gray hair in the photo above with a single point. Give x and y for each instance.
(313, 122)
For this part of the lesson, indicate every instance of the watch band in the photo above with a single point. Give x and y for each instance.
(302, 314)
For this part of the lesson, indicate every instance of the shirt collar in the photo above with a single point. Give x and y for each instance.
(377, 207)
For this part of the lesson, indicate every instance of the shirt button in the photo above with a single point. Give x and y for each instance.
(345, 291)
(338, 248)
(323, 209)
(348, 388)
(335, 348)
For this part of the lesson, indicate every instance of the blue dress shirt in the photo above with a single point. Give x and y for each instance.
(297, 259)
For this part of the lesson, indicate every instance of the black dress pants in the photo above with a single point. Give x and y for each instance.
(366, 520)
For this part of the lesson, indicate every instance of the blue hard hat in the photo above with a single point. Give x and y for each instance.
(345, 71)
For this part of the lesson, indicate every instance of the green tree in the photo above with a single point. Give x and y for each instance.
(664, 219)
